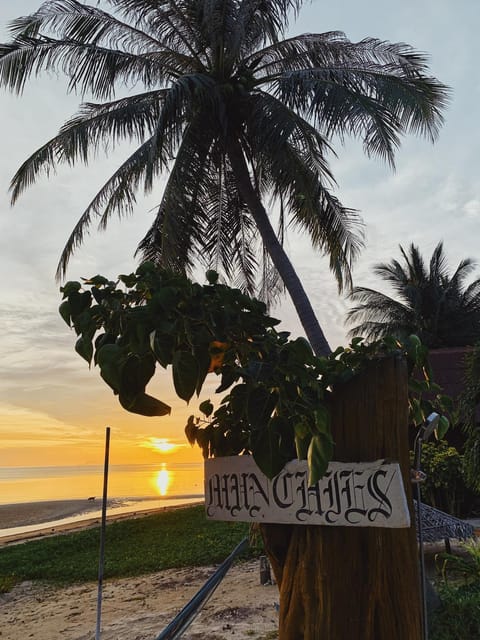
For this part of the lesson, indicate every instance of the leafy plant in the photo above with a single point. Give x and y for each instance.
(468, 402)
(465, 565)
(278, 391)
(175, 538)
(458, 618)
(8, 582)
(444, 487)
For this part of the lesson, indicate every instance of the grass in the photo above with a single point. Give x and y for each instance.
(179, 538)
(176, 538)
(458, 617)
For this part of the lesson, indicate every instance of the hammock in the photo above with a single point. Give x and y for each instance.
(190, 611)
(438, 525)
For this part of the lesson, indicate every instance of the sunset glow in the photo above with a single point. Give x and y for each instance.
(162, 481)
(163, 445)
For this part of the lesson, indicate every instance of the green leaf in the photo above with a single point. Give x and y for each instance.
(322, 419)
(229, 376)
(185, 374)
(191, 430)
(302, 439)
(446, 402)
(64, 310)
(165, 299)
(146, 268)
(416, 413)
(212, 276)
(111, 358)
(301, 447)
(70, 287)
(128, 280)
(442, 427)
(320, 452)
(79, 302)
(135, 374)
(206, 407)
(302, 349)
(144, 405)
(96, 281)
(202, 357)
(260, 405)
(84, 348)
(301, 429)
(110, 354)
(162, 347)
(85, 324)
(281, 426)
(266, 452)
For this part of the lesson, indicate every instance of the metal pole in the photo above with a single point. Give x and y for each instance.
(102, 534)
(423, 588)
(424, 432)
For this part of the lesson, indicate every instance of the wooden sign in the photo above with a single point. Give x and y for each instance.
(362, 494)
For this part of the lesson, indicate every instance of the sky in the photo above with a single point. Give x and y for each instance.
(53, 409)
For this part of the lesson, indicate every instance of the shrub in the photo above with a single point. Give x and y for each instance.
(464, 565)
(444, 487)
(458, 618)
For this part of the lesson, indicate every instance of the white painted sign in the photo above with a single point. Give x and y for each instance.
(361, 494)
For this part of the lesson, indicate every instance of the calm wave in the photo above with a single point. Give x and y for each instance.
(152, 481)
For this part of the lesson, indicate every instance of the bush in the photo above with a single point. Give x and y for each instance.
(445, 486)
(461, 566)
(458, 618)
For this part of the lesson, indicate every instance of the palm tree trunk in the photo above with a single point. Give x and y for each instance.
(349, 583)
(277, 253)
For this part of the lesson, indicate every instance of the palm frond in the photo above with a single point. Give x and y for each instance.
(432, 304)
(262, 21)
(181, 212)
(116, 196)
(289, 157)
(72, 20)
(189, 93)
(129, 118)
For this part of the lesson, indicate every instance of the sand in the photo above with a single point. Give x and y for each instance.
(29, 513)
(52, 517)
(139, 608)
(135, 608)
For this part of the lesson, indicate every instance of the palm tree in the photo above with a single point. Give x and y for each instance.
(440, 308)
(233, 112)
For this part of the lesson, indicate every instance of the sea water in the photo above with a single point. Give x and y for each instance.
(164, 480)
(129, 487)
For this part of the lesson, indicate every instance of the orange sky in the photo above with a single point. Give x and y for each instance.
(76, 435)
(53, 410)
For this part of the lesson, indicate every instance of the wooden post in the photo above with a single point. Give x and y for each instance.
(339, 583)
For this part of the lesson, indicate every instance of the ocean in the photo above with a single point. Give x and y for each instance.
(133, 487)
(164, 480)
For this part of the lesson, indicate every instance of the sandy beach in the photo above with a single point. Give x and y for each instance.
(136, 608)
(52, 517)
(36, 513)
(140, 608)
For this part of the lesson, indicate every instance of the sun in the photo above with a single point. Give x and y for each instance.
(163, 445)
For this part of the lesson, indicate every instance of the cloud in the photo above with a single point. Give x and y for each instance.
(21, 426)
(433, 195)
(472, 208)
